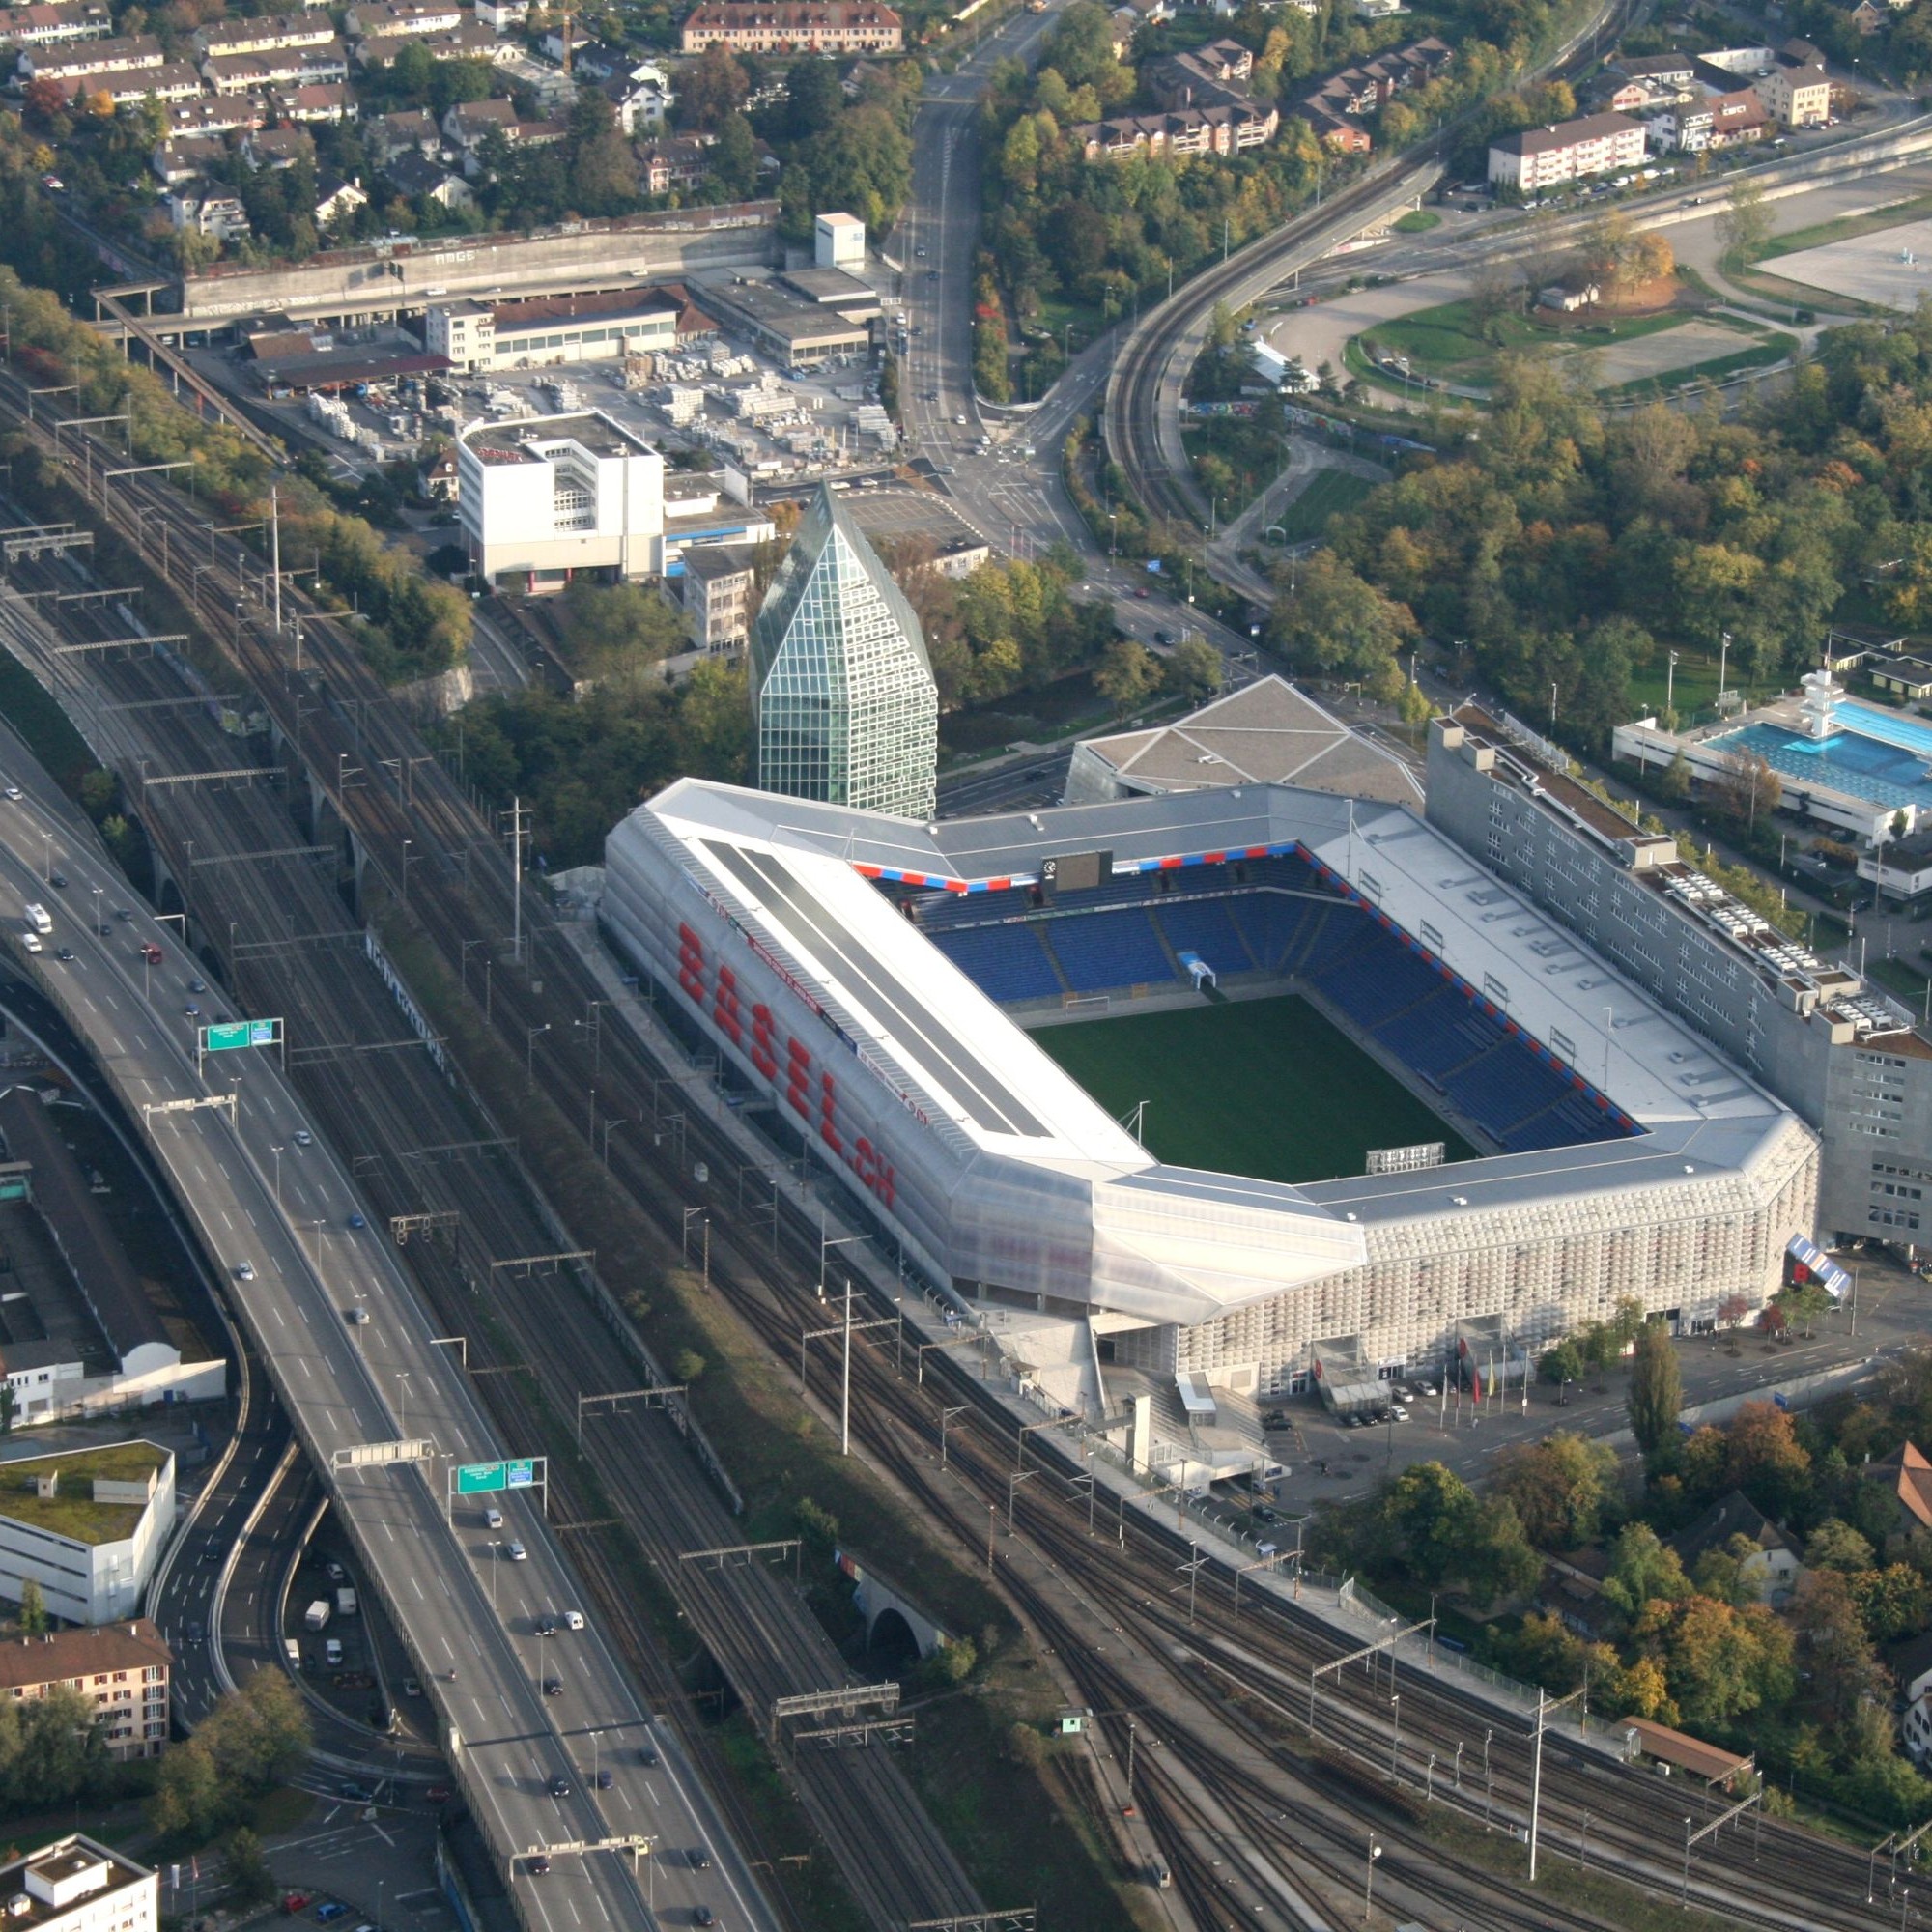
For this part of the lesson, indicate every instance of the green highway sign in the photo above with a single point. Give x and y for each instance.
(230, 1035)
(521, 1476)
(474, 1479)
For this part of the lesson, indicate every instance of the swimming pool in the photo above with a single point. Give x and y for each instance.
(1881, 756)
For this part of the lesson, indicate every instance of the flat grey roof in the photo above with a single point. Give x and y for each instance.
(798, 913)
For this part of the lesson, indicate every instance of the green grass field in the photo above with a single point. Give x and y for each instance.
(1265, 1087)
(1329, 494)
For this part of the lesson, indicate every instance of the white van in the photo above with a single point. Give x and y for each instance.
(492, 1518)
(38, 919)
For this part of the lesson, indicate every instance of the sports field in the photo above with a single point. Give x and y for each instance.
(1266, 1088)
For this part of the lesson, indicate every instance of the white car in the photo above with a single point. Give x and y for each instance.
(516, 1552)
(573, 1620)
(33, 943)
(303, 1138)
(15, 793)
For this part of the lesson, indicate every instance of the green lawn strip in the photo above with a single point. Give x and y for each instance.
(1845, 228)
(1760, 355)
(1329, 494)
(1417, 221)
(1029, 1826)
(1293, 1097)
(41, 722)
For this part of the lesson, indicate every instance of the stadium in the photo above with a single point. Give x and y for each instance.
(1229, 1090)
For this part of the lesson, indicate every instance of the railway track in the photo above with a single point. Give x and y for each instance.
(379, 1108)
(1797, 1877)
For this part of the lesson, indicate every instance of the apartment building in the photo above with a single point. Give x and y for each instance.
(44, 26)
(122, 1669)
(794, 26)
(75, 1884)
(372, 21)
(1541, 157)
(321, 64)
(83, 60)
(1797, 91)
(268, 34)
(717, 580)
(1187, 130)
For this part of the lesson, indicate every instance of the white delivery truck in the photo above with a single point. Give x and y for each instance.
(38, 919)
(345, 1602)
(316, 1617)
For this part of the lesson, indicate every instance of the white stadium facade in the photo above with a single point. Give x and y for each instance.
(873, 981)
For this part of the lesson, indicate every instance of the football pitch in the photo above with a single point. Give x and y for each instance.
(1265, 1087)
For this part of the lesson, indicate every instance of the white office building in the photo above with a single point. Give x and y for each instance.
(75, 1884)
(88, 1526)
(838, 242)
(543, 497)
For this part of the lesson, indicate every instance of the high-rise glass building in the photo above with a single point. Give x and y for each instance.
(842, 697)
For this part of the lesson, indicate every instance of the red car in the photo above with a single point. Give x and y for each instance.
(438, 1794)
(1141, 590)
(294, 1902)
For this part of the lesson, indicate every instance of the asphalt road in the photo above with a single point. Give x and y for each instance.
(353, 1356)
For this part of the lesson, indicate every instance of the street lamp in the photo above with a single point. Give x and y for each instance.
(277, 1152)
(1368, 1885)
(530, 1054)
(402, 1408)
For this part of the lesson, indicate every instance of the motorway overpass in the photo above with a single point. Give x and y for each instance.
(466, 1614)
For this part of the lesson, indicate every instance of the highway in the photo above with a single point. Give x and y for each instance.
(355, 1359)
(288, 937)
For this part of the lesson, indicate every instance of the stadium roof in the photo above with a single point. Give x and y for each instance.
(1268, 732)
(1539, 975)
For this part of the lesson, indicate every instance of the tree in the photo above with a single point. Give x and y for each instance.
(1745, 785)
(1656, 1394)
(33, 1618)
(1765, 1459)
(689, 1366)
(1892, 1603)
(1561, 1487)
(711, 90)
(1719, 1663)
(1835, 1544)
(250, 1881)
(1642, 1570)
(1192, 671)
(734, 159)
(1843, 1670)
(1334, 620)
(814, 100)
(1127, 675)
(1561, 1363)
(1745, 225)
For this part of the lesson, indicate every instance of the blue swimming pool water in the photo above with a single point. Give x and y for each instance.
(1880, 755)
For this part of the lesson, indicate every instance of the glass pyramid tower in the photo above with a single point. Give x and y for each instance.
(843, 696)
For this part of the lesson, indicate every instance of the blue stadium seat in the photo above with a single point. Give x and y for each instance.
(1099, 951)
(1005, 962)
(1205, 926)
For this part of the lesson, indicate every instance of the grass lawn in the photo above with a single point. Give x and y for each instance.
(1450, 340)
(1265, 1087)
(72, 1510)
(1692, 690)
(1417, 221)
(1329, 494)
